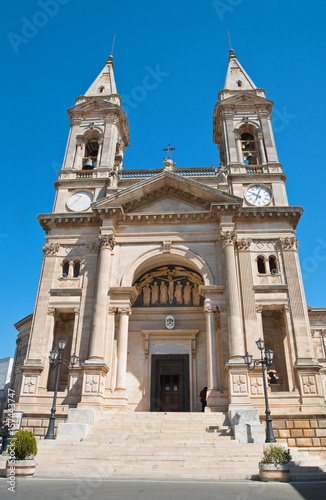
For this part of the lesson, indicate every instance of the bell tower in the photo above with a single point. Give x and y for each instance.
(99, 134)
(242, 129)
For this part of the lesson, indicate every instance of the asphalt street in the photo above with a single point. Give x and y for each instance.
(56, 489)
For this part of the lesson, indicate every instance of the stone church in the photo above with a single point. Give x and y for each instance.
(160, 280)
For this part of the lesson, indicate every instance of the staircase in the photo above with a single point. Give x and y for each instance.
(162, 446)
(151, 445)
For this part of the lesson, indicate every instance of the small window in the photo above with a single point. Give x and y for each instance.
(261, 265)
(239, 82)
(65, 270)
(76, 269)
(101, 88)
(272, 265)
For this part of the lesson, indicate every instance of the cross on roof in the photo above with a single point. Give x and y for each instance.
(168, 149)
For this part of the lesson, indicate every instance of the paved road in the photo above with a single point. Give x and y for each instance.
(49, 489)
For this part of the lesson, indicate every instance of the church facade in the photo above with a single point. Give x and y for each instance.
(161, 280)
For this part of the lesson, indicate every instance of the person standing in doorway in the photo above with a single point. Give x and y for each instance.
(203, 398)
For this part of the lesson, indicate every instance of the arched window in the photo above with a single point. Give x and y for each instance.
(91, 152)
(272, 265)
(261, 265)
(249, 149)
(76, 269)
(65, 269)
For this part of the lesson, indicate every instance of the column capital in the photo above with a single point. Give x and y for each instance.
(289, 243)
(107, 241)
(112, 310)
(51, 311)
(209, 309)
(76, 311)
(222, 308)
(227, 238)
(286, 308)
(50, 249)
(124, 310)
(259, 308)
(243, 243)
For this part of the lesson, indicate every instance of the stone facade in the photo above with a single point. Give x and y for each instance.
(160, 280)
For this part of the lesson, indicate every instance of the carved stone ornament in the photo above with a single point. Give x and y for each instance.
(227, 238)
(239, 384)
(107, 241)
(92, 248)
(169, 286)
(209, 309)
(167, 246)
(29, 386)
(51, 311)
(244, 244)
(112, 310)
(169, 322)
(124, 310)
(50, 248)
(309, 384)
(289, 243)
(222, 309)
(259, 308)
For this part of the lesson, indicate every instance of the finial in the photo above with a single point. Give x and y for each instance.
(230, 41)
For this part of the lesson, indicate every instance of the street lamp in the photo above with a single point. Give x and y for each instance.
(264, 362)
(55, 360)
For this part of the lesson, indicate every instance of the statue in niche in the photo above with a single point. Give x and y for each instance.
(164, 293)
(187, 294)
(195, 295)
(155, 290)
(146, 295)
(223, 175)
(178, 293)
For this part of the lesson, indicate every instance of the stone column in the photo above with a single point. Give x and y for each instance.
(262, 154)
(75, 330)
(101, 299)
(236, 341)
(211, 347)
(238, 145)
(123, 347)
(300, 318)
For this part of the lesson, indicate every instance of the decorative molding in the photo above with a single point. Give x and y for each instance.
(256, 386)
(227, 238)
(309, 384)
(50, 249)
(244, 243)
(239, 384)
(107, 241)
(265, 245)
(289, 243)
(29, 386)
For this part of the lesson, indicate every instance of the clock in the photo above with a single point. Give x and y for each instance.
(258, 196)
(80, 201)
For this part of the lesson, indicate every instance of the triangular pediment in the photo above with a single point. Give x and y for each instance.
(246, 98)
(169, 204)
(167, 192)
(93, 104)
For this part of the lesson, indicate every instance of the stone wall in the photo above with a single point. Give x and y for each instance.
(307, 432)
(38, 425)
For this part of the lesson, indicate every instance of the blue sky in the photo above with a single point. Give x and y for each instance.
(52, 50)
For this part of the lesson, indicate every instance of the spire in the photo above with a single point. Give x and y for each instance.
(104, 85)
(236, 77)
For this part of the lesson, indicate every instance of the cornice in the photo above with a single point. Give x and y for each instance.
(51, 221)
(268, 214)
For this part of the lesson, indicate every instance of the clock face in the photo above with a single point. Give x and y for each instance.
(80, 201)
(258, 196)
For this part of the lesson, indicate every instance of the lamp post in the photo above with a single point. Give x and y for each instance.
(55, 360)
(264, 361)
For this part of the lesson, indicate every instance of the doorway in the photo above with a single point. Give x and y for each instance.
(170, 383)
